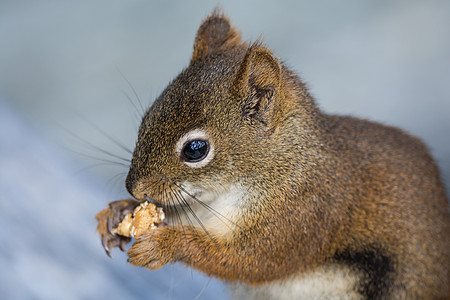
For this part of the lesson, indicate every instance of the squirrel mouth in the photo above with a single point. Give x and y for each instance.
(177, 211)
(199, 207)
(185, 203)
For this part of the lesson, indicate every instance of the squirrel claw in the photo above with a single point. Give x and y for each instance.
(109, 242)
(108, 219)
(123, 243)
(107, 250)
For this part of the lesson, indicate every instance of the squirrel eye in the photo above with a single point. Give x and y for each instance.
(195, 151)
(195, 148)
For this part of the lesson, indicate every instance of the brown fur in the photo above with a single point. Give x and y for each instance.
(322, 189)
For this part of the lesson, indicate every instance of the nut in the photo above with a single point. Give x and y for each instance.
(144, 217)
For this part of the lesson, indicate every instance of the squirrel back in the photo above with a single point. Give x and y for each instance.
(265, 191)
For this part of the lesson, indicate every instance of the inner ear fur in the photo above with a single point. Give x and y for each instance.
(215, 33)
(257, 82)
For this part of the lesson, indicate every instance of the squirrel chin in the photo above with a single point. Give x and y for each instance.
(216, 209)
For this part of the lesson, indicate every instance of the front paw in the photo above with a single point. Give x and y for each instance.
(109, 218)
(154, 249)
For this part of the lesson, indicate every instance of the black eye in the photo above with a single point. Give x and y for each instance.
(195, 151)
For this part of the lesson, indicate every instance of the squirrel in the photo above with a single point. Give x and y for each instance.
(265, 191)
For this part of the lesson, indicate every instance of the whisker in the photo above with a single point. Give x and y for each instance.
(212, 210)
(134, 92)
(174, 208)
(182, 205)
(109, 137)
(188, 207)
(95, 147)
(203, 289)
(114, 179)
(109, 163)
(180, 200)
(174, 199)
(168, 209)
(185, 207)
(138, 114)
(104, 161)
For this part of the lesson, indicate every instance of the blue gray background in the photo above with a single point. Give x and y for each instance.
(61, 66)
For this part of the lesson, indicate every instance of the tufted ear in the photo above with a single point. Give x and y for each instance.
(215, 33)
(257, 83)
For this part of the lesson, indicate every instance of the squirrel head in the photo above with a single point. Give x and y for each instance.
(224, 123)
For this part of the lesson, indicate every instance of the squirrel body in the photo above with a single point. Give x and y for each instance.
(265, 191)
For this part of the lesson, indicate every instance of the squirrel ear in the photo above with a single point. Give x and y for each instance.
(257, 82)
(215, 32)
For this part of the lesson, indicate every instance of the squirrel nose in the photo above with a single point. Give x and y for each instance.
(135, 187)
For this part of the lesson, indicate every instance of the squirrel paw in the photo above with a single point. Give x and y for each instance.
(109, 218)
(152, 249)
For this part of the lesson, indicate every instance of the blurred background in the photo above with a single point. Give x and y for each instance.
(70, 76)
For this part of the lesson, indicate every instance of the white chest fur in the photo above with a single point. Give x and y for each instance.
(216, 210)
(329, 282)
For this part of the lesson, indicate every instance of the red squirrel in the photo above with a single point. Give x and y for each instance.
(265, 191)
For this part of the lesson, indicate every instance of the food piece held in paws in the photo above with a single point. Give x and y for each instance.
(144, 217)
